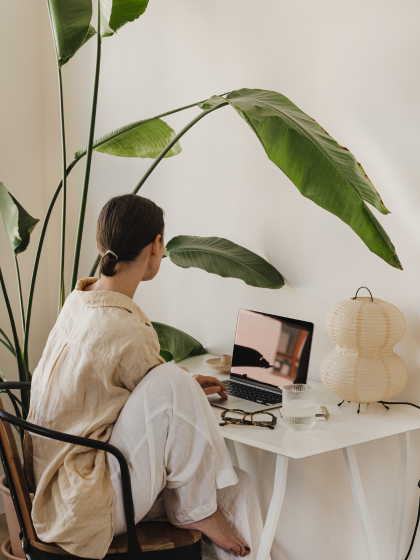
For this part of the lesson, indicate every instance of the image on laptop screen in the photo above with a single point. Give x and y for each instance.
(271, 349)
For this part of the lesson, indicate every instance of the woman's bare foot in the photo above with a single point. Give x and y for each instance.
(217, 529)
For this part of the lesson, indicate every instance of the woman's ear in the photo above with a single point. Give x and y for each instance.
(156, 245)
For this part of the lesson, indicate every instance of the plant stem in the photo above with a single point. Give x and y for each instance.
(22, 312)
(36, 263)
(19, 413)
(95, 266)
(23, 376)
(88, 157)
(8, 346)
(171, 144)
(14, 400)
(6, 338)
(64, 185)
(158, 160)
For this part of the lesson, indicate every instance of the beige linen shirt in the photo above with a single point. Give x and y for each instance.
(100, 348)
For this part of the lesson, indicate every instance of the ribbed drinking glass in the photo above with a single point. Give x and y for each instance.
(299, 407)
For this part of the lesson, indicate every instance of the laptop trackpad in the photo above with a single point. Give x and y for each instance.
(228, 403)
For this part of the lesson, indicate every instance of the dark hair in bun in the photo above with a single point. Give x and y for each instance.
(126, 225)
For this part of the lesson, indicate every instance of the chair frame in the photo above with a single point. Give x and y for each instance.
(134, 550)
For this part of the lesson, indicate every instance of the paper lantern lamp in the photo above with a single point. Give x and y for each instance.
(363, 367)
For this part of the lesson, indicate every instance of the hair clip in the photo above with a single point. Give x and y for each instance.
(111, 253)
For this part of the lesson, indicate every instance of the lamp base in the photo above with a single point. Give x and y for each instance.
(360, 404)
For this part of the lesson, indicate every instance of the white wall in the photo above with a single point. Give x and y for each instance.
(351, 66)
(22, 158)
(22, 166)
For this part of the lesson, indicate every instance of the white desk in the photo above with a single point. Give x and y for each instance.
(343, 430)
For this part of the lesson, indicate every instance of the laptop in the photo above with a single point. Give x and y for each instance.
(269, 352)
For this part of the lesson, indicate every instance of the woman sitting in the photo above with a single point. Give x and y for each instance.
(101, 377)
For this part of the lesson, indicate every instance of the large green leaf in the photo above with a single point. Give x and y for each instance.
(116, 13)
(70, 24)
(323, 171)
(144, 139)
(18, 223)
(175, 344)
(220, 256)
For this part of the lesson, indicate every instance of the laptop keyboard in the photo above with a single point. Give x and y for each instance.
(252, 394)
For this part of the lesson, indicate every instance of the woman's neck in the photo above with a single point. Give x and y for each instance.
(125, 281)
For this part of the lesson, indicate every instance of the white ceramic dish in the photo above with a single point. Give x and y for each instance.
(221, 365)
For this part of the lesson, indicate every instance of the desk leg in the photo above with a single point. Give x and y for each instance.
(232, 452)
(360, 500)
(274, 509)
(400, 496)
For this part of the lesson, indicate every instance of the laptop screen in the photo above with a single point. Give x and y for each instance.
(271, 349)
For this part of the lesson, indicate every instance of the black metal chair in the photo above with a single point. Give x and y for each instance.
(149, 540)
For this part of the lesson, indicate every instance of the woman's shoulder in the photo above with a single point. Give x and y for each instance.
(115, 326)
(110, 329)
(133, 343)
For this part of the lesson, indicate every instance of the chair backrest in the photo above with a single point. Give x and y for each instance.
(17, 484)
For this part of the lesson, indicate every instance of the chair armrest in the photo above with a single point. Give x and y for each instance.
(25, 385)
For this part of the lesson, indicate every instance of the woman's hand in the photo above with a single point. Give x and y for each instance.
(211, 385)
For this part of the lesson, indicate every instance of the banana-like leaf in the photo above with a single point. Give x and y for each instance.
(322, 170)
(18, 223)
(220, 256)
(175, 344)
(116, 13)
(70, 24)
(144, 139)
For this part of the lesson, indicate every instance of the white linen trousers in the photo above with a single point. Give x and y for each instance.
(179, 464)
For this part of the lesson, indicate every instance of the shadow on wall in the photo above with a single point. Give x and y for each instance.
(411, 353)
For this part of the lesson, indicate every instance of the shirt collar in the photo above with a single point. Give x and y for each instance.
(103, 298)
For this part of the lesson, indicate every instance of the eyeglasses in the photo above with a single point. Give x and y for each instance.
(232, 420)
